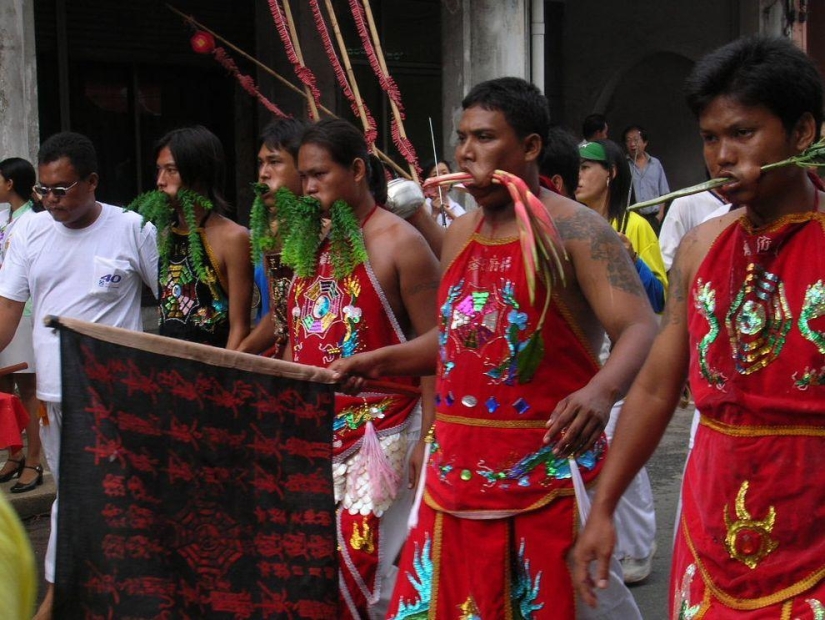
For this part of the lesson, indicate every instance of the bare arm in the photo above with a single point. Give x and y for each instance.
(612, 288)
(645, 416)
(239, 281)
(429, 229)
(10, 313)
(260, 339)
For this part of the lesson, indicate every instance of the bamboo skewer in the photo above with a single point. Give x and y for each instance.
(379, 52)
(333, 19)
(313, 108)
(384, 157)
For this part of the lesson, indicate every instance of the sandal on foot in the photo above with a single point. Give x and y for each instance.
(14, 473)
(22, 488)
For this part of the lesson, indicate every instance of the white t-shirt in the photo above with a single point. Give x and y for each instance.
(93, 274)
(684, 213)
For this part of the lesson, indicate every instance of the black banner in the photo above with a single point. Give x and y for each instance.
(191, 491)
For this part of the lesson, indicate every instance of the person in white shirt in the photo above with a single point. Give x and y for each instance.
(682, 215)
(81, 259)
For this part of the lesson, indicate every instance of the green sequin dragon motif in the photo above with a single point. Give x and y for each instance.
(706, 305)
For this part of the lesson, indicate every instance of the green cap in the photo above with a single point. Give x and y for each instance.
(592, 151)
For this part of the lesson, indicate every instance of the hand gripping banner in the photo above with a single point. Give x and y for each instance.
(195, 482)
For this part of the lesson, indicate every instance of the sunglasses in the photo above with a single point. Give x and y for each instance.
(56, 191)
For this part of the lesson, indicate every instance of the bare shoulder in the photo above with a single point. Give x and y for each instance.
(698, 240)
(393, 235)
(227, 231)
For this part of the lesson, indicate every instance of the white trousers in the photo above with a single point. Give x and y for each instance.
(635, 515)
(50, 439)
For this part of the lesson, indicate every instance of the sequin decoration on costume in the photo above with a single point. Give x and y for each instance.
(321, 307)
(444, 333)
(181, 302)
(706, 306)
(758, 320)
(422, 581)
(748, 540)
(554, 467)
(469, 610)
(525, 587)
(813, 307)
(353, 418)
(817, 608)
(507, 369)
(683, 610)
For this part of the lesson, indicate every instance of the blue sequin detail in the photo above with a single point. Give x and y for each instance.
(450, 398)
(525, 588)
(492, 404)
(422, 581)
(438, 399)
(521, 406)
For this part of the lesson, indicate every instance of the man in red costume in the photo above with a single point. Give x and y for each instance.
(498, 513)
(744, 320)
(371, 283)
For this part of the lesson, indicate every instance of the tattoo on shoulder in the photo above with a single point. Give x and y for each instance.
(605, 247)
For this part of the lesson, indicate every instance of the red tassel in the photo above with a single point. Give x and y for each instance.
(246, 82)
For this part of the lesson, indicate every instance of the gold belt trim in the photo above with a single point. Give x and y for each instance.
(750, 604)
(455, 419)
(761, 431)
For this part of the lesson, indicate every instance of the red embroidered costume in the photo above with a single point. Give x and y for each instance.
(751, 542)
(329, 319)
(497, 516)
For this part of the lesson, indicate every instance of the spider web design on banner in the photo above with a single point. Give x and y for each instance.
(190, 490)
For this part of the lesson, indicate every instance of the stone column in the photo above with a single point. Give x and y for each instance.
(481, 40)
(19, 127)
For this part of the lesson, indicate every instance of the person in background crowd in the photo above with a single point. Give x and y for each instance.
(105, 256)
(649, 180)
(17, 177)
(594, 127)
(604, 186)
(443, 208)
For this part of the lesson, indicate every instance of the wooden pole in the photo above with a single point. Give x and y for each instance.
(384, 157)
(348, 66)
(380, 53)
(313, 108)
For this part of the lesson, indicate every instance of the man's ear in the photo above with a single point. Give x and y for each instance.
(804, 133)
(532, 146)
(558, 183)
(359, 169)
(93, 180)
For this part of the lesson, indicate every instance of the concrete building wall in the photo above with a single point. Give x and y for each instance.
(19, 127)
(629, 60)
(482, 39)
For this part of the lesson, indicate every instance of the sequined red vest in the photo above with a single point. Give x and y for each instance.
(488, 459)
(753, 501)
(332, 318)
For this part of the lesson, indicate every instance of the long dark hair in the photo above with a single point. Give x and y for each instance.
(621, 184)
(21, 174)
(200, 160)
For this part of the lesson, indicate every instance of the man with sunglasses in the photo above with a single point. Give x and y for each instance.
(80, 258)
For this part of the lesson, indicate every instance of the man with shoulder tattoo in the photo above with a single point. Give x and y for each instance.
(519, 390)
